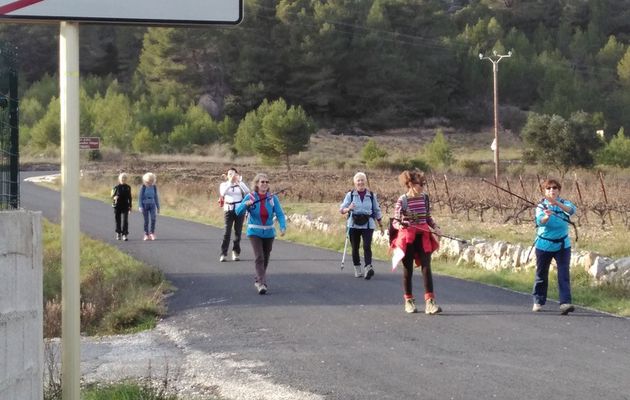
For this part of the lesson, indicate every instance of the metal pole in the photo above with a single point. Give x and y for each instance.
(14, 152)
(70, 297)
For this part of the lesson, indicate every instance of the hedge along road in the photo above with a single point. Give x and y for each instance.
(321, 333)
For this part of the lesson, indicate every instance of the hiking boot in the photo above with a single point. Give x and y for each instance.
(222, 258)
(235, 256)
(566, 308)
(432, 308)
(125, 238)
(410, 306)
(537, 308)
(118, 236)
(152, 236)
(369, 272)
(358, 273)
(146, 237)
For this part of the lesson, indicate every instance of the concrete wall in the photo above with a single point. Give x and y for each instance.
(21, 314)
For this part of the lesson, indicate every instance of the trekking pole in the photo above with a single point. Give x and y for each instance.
(345, 246)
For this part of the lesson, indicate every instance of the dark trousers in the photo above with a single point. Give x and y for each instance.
(122, 218)
(541, 281)
(355, 240)
(414, 249)
(231, 219)
(262, 251)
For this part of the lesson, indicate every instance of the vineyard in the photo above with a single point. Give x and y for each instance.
(601, 199)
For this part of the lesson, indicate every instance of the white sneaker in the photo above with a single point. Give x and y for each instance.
(124, 237)
(358, 273)
(566, 308)
(235, 256)
(410, 306)
(222, 258)
(262, 289)
(431, 307)
(118, 236)
(537, 307)
(369, 272)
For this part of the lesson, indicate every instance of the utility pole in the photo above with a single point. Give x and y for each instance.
(494, 59)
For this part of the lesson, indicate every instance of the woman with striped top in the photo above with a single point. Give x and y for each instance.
(414, 241)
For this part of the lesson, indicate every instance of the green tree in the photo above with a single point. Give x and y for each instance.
(145, 142)
(438, 152)
(47, 130)
(275, 132)
(113, 119)
(616, 152)
(372, 151)
(562, 144)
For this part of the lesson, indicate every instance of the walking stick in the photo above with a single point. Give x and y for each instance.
(345, 246)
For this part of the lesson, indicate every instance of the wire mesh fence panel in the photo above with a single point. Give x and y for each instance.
(9, 184)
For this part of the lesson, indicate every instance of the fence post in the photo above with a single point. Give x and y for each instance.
(448, 194)
(601, 182)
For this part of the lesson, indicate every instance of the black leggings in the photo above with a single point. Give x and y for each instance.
(355, 240)
(425, 260)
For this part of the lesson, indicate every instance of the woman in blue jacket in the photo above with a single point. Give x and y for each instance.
(262, 206)
(149, 204)
(552, 242)
(364, 213)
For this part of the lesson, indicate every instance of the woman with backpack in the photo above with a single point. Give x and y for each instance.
(262, 206)
(149, 204)
(364, 213)
(414, 241)
(232, 192)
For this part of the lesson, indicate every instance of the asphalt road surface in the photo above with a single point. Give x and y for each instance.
(321, 333)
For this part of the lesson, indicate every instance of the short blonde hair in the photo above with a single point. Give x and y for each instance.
(122, 178)
(149, 177)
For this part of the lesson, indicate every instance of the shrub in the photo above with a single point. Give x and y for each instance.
(371, 152)
(616, 152)
(439, 152)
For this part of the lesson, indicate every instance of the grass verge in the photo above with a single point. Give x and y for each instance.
(118, 293)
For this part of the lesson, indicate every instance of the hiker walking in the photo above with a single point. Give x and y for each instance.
(364, 213)
(552, 242)
(149, 204)
(414, 241)
(262, 206)
(121, 201)
(232, 192)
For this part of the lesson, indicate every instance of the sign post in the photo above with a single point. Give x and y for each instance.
(69, 13)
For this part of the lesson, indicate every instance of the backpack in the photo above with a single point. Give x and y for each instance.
(114, 193)
(392, 232)
(221, 201)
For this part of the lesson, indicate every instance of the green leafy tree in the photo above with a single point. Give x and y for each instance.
(47, 130)
(438, 152)
(562, 144)
(275, 131)
(372, 151)
(616, 152)
(113, 119)
(286, 130)
(198, 129)
(145, 142)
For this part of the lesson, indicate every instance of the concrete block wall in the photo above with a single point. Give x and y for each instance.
(21, 306)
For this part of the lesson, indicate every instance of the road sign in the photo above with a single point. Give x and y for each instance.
(89, 143)
(152, 12)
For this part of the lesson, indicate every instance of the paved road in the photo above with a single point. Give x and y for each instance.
(325, 334)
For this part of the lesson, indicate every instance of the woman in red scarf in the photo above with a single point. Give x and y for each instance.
(415, 242)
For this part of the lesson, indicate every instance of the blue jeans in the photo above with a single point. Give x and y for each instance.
(541, 282)
(149, 210)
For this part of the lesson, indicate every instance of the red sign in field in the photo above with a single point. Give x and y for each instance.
(89, 143)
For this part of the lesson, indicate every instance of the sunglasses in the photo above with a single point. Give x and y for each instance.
(551, 187)
(263, 181)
